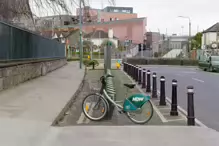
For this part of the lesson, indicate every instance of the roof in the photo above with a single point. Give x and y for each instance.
(213, 28)
(98, 34)
(65, 34)
(108, 22)
(118, 7)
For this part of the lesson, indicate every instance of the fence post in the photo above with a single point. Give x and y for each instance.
(174, 111)
(144, 77)
(154, 86)
(148, 86)
(190, 106)
(162, 91)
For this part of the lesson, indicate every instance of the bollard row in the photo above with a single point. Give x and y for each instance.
(143, 78)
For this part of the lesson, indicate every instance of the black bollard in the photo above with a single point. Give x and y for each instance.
(132, 71)
(162, 91)
(125, 67)
(143, 78)
(139, 75)
(148, 86)
(154, 85)
(129, 67)
(190, 106)
(174, 111)
(136, 73)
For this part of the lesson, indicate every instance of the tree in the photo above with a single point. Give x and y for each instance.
(11, 9)
(197, 41)
(87, 45)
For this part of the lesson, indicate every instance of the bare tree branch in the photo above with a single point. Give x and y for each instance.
(15, 9)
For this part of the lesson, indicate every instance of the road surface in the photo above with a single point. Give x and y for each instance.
(206, 87)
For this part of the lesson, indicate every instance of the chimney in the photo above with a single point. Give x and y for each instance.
(93, 29)
(110, 33)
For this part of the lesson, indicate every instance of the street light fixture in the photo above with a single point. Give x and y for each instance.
(186, 17)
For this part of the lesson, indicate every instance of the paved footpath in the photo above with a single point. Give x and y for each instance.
(41, 99)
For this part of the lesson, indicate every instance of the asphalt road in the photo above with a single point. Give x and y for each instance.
(206, 88)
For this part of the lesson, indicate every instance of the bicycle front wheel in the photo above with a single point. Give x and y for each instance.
(142, 115)
(94, 107)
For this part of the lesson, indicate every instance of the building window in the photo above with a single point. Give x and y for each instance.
(66, 22)
(111, 19)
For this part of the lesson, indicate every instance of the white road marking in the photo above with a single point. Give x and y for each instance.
(82, 117)
(163, 108)
(198, 80)
(189, 72)
(184, 112)
(90, 112)
(173, 120)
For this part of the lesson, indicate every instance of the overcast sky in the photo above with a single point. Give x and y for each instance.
(163, 14)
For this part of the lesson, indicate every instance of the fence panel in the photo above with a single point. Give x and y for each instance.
(19, 44)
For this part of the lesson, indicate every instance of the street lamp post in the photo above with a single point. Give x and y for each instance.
(190, 47)
(81, 43)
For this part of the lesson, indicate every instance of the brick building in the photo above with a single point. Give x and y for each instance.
(125, 23)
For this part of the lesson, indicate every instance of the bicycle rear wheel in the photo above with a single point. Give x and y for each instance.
(144, 114)
(95, 109)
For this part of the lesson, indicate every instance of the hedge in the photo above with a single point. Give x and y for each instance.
(88, 53)
(161, 61)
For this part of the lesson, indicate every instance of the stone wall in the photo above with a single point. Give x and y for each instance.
(11, 76)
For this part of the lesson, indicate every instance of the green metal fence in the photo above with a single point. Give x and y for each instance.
(20, 44)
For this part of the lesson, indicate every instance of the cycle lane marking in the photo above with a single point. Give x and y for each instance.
(198, 80)
(182, 111)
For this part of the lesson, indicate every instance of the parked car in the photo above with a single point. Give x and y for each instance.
(210, 64)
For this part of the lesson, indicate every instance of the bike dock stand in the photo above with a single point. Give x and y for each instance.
(111, 92)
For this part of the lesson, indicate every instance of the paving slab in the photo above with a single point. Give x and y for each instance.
(26, 133)
(43, 98)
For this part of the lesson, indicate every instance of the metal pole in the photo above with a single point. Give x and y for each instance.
(81, 43)
(142, 50)
(190, 45)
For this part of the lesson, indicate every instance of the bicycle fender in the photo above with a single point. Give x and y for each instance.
(134, 102)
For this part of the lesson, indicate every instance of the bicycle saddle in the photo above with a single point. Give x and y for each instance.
(130, 85)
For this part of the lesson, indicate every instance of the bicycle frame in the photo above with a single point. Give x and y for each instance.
(118, 106)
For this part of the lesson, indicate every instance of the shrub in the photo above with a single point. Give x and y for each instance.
(161, 61)
(88, 53)
(92, 63)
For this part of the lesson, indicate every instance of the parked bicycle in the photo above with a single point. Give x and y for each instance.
(136, 105)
